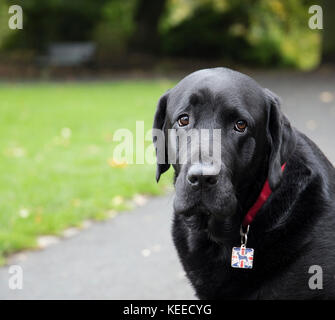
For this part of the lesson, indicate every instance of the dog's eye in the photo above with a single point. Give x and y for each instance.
(240, 125)
(183, 120)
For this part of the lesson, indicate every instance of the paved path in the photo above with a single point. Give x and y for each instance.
(132, 256)
(128, 257)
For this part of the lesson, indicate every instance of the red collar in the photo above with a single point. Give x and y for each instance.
(264, 195)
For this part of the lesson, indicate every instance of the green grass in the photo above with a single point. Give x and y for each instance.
(53, 178)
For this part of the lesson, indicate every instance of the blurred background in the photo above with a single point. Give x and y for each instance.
(106, 37)
(79, 70)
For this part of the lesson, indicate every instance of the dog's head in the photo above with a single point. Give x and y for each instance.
(224, 135)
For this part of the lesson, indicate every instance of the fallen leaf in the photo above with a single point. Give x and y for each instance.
(117, 163)
(118, 200)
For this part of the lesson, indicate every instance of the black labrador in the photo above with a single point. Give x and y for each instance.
(292, 232)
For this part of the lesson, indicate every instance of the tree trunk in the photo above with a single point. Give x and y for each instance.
(328, 43)
(147, 16)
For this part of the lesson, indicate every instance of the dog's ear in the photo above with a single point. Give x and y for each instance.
(281, 137)
(159, 137)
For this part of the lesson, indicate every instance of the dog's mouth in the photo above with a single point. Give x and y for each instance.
(219, 231)
(218, 227)
(222, 230)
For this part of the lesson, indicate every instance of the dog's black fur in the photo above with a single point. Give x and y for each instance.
(294, 230)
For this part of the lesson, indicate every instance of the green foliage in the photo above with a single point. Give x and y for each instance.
(56, 20)
(258, 32)
(56, 147)
(116, 26)
(206, 33)
(4, 30)
(280, 35)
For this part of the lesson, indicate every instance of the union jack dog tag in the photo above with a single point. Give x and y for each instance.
(242, 257)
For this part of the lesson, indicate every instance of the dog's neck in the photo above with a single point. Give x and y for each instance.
(247, 194)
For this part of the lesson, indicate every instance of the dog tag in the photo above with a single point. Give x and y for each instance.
(242, 257)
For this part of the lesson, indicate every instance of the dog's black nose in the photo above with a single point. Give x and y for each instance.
(201, 176)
